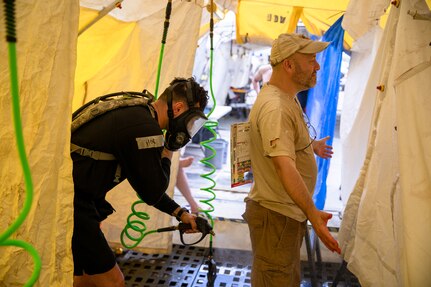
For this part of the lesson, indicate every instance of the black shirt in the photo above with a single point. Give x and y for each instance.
(116, 132)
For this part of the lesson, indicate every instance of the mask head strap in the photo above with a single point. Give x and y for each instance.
(189, 93)
(169, 101)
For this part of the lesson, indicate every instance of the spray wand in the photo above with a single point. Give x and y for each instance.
(202, 224)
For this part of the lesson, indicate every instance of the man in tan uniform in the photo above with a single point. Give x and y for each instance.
(284, 167)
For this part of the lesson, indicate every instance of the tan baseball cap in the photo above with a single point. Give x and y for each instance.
(288, 44)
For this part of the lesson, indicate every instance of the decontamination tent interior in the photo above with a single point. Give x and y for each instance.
(58, 72)
(385, 230)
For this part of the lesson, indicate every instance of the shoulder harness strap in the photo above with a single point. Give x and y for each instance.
(107, 103)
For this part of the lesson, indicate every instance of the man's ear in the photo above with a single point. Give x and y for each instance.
(288, 64)
(178, 108)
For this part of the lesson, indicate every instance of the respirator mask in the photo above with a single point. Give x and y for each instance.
(182, 128)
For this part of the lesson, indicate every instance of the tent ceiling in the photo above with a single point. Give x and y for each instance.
(262, 21)
(131, 10)
(258, 21)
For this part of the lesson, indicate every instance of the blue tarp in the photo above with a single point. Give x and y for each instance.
(322, 101)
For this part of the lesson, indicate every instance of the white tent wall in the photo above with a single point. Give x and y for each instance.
(228, 4)
(114, 55)
(412, 86)
(221, 68)
(228, 71)
(46, 52)
(385, 228)
(362, 16)
(358, 106)
(414, 228)
(133, 64)
(369, 247)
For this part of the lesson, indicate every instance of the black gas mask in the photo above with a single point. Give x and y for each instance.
(182, 128)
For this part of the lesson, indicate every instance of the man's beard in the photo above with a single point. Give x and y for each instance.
(304, 80)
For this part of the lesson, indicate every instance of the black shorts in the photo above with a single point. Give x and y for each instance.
(91, 252)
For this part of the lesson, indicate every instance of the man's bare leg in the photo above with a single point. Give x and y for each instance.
(111, 278)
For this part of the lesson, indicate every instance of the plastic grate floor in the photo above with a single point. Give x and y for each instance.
(187, 266)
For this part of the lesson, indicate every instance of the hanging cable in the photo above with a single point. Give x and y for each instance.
(162, 49)
(105, 11)
(9, 6)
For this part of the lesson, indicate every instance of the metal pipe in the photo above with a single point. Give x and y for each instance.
(102, 13)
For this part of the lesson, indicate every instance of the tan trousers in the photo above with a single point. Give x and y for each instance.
(276, 241)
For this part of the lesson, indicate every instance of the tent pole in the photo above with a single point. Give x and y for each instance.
(102, 13)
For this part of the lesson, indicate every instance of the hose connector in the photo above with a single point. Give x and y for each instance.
(9, 12)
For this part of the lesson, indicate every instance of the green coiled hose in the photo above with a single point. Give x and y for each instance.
(210, 126)
(135, 224)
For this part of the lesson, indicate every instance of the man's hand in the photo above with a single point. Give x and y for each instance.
(190, 219)
(319, 223)
(321, 149)
(297, 190)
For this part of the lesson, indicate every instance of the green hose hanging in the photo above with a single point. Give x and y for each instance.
(135, 221)
(210, 126)
(4, 241)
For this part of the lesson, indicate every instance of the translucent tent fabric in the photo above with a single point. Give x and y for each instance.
(227, 4)
(260, 22)
(385, 229)
(129, 11)
(358, 107)
(115, 55)
(359, 21)
(322, 101)
(231, 65)
(46, 52)
(121, 53)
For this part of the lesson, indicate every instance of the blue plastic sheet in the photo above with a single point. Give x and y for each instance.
(322, 101)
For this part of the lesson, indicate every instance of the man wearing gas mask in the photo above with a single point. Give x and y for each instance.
(129, 143)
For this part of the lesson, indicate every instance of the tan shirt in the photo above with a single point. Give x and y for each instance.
(275, 115)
